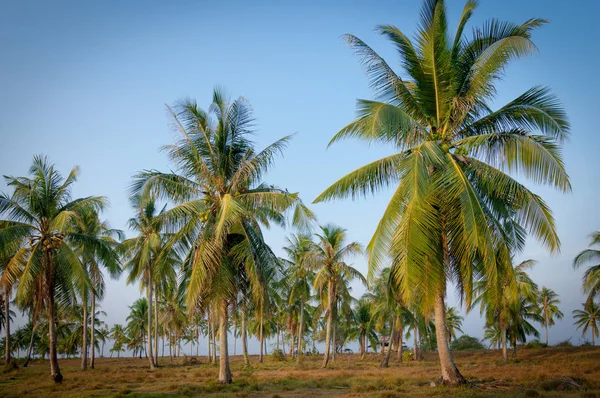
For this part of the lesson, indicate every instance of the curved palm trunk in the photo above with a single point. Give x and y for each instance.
(84, 349)
(30, 347)
(334, 333)
(386, 359)
(245, 339)
(54, 369)
(329, 322)
(450, 373)
(362, 342)
(149, 337)
(7, 324)
(300, 332)
(224, 371)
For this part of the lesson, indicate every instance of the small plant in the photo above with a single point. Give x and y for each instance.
(536, 344)
(278, 355)
(565, 343)
(407, 356)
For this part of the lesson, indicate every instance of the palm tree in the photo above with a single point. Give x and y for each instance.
(364, 329)
(147, 259)
(591, 277)
(549, 308)
(588, 318)
(137, 324)
(41, 211)
(452, 189)
(103, 335)
(300, 276)
(453, 323)
(6, 317)
(117, 334)
(95, 258)
(502, 301)
(330, 255)
(220, 202)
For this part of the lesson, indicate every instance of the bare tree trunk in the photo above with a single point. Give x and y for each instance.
(329, 323)
(149, 336)
(300, 331)
(245, 338)
(84, 348)
(54, 369)
(93, 310)
(450, 373)
(30, 347)
(224, 371)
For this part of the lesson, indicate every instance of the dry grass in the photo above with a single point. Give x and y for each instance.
(535, 372)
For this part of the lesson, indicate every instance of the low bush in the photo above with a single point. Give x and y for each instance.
(466, 342)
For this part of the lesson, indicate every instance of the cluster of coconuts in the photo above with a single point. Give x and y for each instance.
(52, 242)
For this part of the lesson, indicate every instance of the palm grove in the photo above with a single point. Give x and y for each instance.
(456, 217)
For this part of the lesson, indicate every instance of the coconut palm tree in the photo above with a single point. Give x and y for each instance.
(591, 277)
(364, 329)
(450, 174)
(94, 261)
(549, 301)
(6, 317)
(117, 334)
(41, 212)
(221, 202)
(453, 323)
(588, 318)
(300, 275)
(147, 259)
(137, 325)
(330, 255)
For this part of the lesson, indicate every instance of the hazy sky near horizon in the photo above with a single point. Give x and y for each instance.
(86, 84)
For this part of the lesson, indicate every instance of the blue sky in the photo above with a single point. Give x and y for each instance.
(86, 83)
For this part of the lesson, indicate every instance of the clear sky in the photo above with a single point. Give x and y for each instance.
(86, 83)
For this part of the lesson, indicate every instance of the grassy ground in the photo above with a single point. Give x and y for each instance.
(535, 372)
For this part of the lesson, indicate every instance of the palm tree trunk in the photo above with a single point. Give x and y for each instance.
(224, 371)
(400, 339)
(300, 331)
(156, 328)
(329, 323)
(260, 338)
(214, 342)
(361, 342)
(546, 330)
(209, 354)
(334, 332)
(292, 339)
(234, 334)
(504, 347)
(93, 309)
(84, 342)
(150, 296)
(245, 339)
(7, 324)
(450, 373)
(30, 347)
(386, 359)
(54, 369)
(415, 341)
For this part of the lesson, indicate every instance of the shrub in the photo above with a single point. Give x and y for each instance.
(407, 356)
(536, 344)
(466, 342)
(566, 343)
(278, 355)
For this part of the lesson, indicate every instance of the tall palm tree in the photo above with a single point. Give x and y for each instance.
(591, 277)
(549, 308)
(117, 334)
(147, 260)
(6, 317)
(300, 276)
(330, 254)
(220, 202)
(501, 301)
(41, 211)
(94, 260)
(588, 318)
(137, 325)
(454, 152)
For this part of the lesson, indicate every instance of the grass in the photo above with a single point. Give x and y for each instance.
(573, 371)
